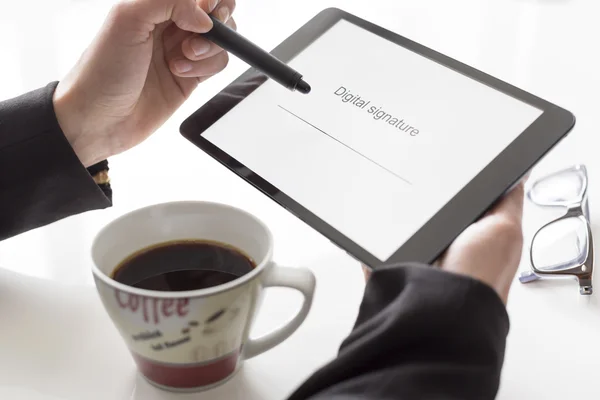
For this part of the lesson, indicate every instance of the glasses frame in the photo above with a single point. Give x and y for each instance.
(579, 208)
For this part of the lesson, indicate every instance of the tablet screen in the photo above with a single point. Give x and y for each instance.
(384, 140)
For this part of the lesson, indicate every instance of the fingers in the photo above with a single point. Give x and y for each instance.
(195, 47)
(186, 14)
(185, 68)
(224, 10)
(366, 272)
(511, 206)
(197, 56)
(221, 9)
(173, 37)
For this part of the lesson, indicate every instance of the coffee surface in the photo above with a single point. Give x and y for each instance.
(183, 265)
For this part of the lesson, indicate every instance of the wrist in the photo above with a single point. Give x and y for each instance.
(71, 119)
(498, 283)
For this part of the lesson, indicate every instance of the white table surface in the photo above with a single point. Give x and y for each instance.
(56, 342)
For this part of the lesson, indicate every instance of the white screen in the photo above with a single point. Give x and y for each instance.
(377, 181)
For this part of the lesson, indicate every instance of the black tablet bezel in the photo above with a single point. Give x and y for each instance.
(500, 175)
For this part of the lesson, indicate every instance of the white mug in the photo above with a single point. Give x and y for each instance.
(193, 340)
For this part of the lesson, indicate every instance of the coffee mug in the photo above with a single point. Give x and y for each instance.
(193, 340)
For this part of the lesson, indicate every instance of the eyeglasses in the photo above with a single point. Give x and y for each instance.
(564, 246)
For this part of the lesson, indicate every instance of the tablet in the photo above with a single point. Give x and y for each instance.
(396, 150)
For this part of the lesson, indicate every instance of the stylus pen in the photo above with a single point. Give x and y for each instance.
(239, 46)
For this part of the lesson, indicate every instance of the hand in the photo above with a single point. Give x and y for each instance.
(490, 249)
(144, 63)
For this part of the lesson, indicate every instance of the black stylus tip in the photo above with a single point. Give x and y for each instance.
(303, 87)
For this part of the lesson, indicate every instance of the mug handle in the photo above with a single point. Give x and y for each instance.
(301, 279)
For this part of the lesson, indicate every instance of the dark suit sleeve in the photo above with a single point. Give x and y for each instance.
(421, 333)
(41, 177)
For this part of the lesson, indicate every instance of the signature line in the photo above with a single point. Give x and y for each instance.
(346, 146)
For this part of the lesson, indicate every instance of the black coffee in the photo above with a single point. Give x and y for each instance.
(183, 265)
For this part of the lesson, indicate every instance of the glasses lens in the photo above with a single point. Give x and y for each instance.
(561, 245)
(562, 188)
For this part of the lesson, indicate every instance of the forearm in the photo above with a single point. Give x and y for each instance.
(41, 178)
(421, 333)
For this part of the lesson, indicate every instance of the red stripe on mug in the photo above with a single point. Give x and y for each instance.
(187, 376)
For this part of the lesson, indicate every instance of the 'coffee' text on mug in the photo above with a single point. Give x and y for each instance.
(153, 309)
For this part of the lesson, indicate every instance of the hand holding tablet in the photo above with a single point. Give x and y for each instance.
(490, 249)
(391, 156)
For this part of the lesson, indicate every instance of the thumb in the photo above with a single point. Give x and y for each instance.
(143, 15)
(511, 206)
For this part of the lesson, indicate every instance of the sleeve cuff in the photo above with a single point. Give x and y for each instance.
(454, 311)
(41, 177)
(429, 288)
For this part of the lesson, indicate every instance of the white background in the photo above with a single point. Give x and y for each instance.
(463, 125)
(56, 343)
